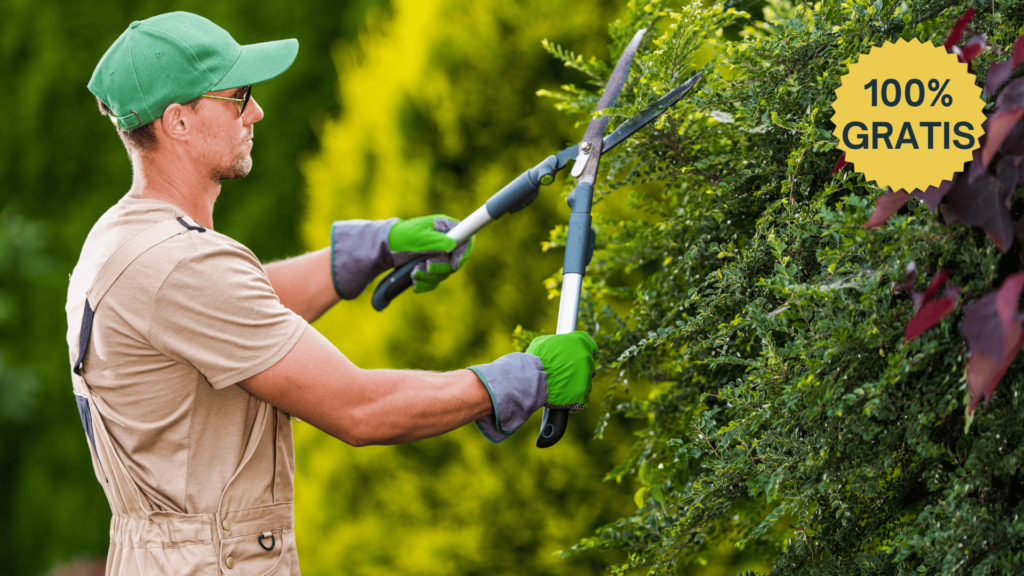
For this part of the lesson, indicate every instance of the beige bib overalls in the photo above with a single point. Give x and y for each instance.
(252, 531)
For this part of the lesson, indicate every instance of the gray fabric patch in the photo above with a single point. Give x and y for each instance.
(518, 387)
(359, 252)
(455, 258)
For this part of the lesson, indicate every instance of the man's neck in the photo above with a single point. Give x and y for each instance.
(176, 182)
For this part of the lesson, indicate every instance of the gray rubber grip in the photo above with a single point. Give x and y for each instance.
(519, 193)
(394, 284)
(552, 427)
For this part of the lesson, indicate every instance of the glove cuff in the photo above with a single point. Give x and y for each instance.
(359, 252)
(518, 387)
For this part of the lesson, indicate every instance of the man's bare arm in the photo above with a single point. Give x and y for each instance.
(304, 283)
(318, 384)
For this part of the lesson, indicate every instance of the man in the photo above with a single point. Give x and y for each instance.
(188, 356)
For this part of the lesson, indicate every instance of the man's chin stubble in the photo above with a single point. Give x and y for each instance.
(237, 170)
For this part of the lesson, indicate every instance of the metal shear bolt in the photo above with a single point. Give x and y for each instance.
(585, 147)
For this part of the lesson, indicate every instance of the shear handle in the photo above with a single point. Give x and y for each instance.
(515, 196)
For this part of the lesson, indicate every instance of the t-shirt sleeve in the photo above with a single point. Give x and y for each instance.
(218, 312)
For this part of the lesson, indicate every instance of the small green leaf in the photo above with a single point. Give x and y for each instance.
(639, 497)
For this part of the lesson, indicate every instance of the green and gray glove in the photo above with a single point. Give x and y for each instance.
(556, 371)
(569, 361)
(425, 235)
(362, 249)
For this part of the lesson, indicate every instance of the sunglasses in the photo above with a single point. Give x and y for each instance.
(242, 102)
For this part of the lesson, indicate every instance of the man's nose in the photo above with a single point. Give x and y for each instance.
(253, 112)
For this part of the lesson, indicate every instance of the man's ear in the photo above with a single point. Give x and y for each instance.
(176, 122)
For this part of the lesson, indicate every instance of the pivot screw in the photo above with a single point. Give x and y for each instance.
(586, 147)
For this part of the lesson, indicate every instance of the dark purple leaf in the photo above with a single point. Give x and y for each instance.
(1009, 177)
(1008, 297)
(958, 29)
(983, 204)
(934, 194)
(922, 298)
(984, 373)
(992, 327)
(998, 72)
(1018, 51)
(1012, 95)
(929, 315)
(997, 128)
(976, 167)
(988, 318)
(1018, 163)
(885, 206)
(982, 327)
(1013, 144)
(973, 47)
(929, 307)
(933, 287)
(1008, 171)
(841, 163)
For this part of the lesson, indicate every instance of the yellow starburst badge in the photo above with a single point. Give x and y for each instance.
(908, 115)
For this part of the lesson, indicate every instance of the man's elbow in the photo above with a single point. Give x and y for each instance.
(358, 432)
(369, 432)
(359, 437)
(356, 442)
(355, 436)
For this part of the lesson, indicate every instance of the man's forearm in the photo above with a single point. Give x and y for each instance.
(318, 384)
(413, 405)
(304, 283)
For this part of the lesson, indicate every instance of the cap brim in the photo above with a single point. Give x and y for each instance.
(259, 62)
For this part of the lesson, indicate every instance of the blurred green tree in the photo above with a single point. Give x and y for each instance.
(438, 112)
(61, 166)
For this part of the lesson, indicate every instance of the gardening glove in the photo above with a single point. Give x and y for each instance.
(413, 238)
(362, 249)
(556, 371)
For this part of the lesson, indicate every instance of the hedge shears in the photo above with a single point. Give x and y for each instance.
(518, 194)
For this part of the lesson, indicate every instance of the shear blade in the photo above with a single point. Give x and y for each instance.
(621, 72)
(629, 127)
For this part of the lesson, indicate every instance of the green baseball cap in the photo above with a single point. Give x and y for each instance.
(178, 57)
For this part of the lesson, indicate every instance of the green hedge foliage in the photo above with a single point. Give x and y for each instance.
(754, 322)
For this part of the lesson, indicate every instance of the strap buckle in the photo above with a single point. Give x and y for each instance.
(198, 227)
(124, 122)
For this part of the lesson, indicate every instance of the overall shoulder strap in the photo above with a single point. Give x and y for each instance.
(130, 251)
(117, 263)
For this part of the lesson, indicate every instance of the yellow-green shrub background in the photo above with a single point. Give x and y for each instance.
(438, 112)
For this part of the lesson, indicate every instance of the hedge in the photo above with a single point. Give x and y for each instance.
(760, 329)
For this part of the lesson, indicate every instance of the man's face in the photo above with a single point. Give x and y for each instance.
(224, 138)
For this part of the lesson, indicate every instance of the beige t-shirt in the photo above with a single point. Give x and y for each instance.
(184, 322)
